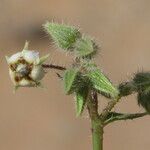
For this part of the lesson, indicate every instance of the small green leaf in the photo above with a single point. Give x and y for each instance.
(43, 59)
(63, 35)
(101, 83)
(80, 97)
(69, 80)
(85, 47)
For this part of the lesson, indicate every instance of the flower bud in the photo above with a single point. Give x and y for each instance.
(144, 100)
(25, 68)
(142, 81)
(126, 88)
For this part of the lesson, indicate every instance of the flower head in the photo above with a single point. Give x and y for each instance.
(25, 68)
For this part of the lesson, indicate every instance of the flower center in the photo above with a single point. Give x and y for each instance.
(22, 69)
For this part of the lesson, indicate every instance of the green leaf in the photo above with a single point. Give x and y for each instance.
(101, 83)
(85, 47)
(69, 80)
(80, 97)
(63, 35)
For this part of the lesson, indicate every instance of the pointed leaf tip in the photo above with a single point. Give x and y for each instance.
(43, 59)
(101, 83)
(26, 46)
(81, 97)
(7, 59)
(63, 35)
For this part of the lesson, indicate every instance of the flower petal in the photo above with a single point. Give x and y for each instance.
(14, 58)
(30, 56)
(37, 73)
(7, 59)
(12, 76)
(26, 83)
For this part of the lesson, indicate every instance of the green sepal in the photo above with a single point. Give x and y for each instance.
(69, 79)
(7, 59)
(16, 87)
(101, 83)
(85, 47)
(26, 45)
(80, 99)
(43, 59)
(63, 35)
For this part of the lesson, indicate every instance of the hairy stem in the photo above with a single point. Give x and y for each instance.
(97, 135)
(108, 108)
(51, 66)
(93, 105)
(97, 125)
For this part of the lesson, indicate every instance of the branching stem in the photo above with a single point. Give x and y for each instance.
(108, 108)
(51, 66)
(113, 116)
(98, 122)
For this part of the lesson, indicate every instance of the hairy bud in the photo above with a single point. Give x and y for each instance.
(144, 100)
(142, 81)
(126, 88)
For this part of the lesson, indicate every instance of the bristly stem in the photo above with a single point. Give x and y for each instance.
(97, 125)
(97, 135)
(108, 108)
(97, 121)
(51, 66)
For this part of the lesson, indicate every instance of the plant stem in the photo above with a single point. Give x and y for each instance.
(97, 125)
(97, 135)
(120, 116)
(51, 66)
(108, 108)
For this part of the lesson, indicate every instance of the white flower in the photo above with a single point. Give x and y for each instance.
(25, 68)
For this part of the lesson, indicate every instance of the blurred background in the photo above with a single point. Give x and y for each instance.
(35, 119)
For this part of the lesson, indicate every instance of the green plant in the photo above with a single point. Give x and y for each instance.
(86, 81)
